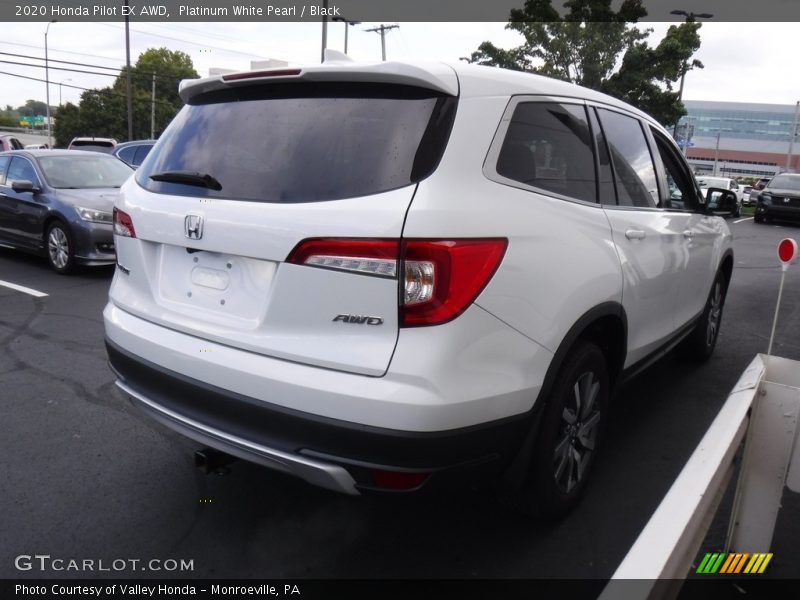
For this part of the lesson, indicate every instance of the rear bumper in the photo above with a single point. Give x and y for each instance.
(325, 452)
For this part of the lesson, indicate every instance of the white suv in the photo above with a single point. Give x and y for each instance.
(388, 276)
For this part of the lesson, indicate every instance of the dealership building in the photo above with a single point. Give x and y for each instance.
(740, 139)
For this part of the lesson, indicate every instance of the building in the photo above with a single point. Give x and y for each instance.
(740, 139)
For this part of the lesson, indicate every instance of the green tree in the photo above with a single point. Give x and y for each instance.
(32, 108)
(9, 117)
(67, 125)
(169, 68)
(599, 48)
(104, 112)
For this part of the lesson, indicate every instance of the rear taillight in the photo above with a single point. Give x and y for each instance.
(441, 278)
(398, 481)
(123, 224)
(368, 257)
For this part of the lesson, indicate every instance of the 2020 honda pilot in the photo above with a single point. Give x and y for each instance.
(385, 276)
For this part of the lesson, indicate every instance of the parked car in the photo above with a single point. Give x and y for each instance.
(37, 147)
(725, 183)
(746, 201)
(757, 187)
(780, 199)
(93, 144)
(423, 273)
(133, 152)
(9, 142)
(59, 203)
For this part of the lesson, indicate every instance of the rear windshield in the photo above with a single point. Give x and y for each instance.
(93, 146)
(303, 142)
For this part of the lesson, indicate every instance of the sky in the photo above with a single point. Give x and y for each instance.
(744, 62)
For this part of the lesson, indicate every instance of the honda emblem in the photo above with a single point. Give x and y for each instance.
(193, 227)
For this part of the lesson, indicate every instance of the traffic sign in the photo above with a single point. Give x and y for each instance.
(787, 251)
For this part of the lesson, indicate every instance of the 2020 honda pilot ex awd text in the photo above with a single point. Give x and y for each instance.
(383, 277)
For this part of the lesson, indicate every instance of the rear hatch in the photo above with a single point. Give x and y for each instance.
(269, 215)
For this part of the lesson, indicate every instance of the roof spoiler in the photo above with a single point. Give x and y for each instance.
(337, 67)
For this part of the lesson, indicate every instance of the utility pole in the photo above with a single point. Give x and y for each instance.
(346, 23)
(153, 111)
(791, 136)
(716, 156)
(382, 30)
(128, 65)
(60, 83)
(690, 18)
(47, 83)
(324, 30)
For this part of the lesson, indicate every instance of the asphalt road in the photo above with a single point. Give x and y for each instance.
(85, 476)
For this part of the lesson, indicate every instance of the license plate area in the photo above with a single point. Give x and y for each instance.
(225, 288)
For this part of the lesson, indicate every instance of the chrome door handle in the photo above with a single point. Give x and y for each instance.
(635, 234)
(688, 234)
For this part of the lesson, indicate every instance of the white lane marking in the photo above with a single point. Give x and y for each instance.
(743, 220)
(23, 289)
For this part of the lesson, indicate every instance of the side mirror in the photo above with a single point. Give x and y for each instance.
(721, 202)
(23, 185)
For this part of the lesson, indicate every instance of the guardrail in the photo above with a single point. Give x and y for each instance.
(761, 412)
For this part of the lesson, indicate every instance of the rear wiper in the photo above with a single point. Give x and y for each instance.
(189, 178)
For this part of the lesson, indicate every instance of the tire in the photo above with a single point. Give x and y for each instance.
(758, 219)
(60, 247)
(566, 443)
(699, 345)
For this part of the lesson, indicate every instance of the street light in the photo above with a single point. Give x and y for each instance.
(60, 83)
(47, 83)
(690, 18)
(346, 23)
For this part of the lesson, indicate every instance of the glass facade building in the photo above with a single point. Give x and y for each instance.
(744, 139)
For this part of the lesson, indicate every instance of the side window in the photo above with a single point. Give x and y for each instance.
(126, 154)
(141, 153)
(4, 160)
(680, 189)
(634, 172)
(21, 169)
(548, 146)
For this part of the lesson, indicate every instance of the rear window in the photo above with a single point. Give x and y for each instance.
(303, 142)
(92, 146)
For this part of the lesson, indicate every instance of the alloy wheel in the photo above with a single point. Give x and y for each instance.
(58, 247)
(578, 433)
(714, 313)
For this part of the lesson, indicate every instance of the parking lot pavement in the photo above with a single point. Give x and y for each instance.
(87, 477)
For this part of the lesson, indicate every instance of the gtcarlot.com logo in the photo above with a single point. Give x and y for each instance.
(734, 563)
(45, 562)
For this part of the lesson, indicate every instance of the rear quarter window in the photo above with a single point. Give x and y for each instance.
(301, 142)
(548, 146)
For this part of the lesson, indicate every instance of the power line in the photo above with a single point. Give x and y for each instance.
(136, 72)
(66, 62)
(77, 87)
(22, 64)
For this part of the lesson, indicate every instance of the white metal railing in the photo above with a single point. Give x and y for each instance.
(761, 410)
